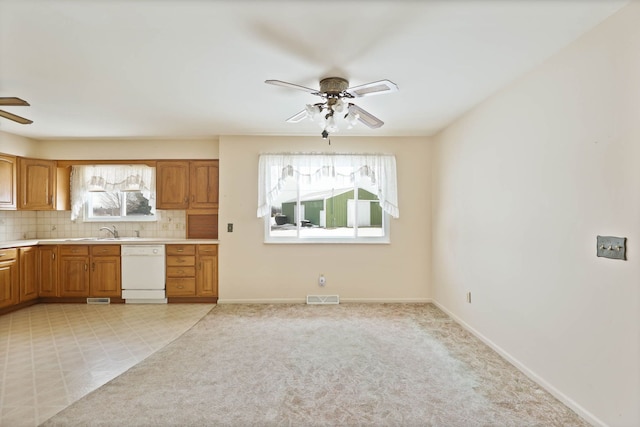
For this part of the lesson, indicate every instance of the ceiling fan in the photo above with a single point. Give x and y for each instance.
(336, 93)
(12, 101)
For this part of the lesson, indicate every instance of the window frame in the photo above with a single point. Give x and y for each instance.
(355, 185)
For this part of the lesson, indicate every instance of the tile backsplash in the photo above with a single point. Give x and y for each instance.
(20, 225)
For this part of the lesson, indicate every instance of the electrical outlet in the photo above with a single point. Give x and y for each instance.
(165, 227)
(229, 228)
(321, 280)
(469, 297)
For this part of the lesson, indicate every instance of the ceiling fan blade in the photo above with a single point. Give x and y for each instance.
(292, 86)
(298, 117)
(13, 101)
(15, 118)
(365, 117)
(373, 88)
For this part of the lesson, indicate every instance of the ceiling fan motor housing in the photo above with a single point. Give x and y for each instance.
(333, 86)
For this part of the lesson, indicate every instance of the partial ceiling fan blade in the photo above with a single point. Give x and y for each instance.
(373, 88)
(298, 117)
(13, 101)
(15, 118)
(365, 117)
(292, 86)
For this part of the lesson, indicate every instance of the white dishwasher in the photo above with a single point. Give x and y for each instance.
(143, 274)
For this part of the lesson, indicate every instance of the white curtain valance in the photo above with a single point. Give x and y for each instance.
(101, 178)
(274, 169)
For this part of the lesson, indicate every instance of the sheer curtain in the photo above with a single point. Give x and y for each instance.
(274, 169)
(93, 178)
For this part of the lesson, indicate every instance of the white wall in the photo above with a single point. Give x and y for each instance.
(522, 186)
(250, 270)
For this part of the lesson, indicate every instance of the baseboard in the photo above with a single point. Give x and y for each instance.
(387, 300)
(575, 407)
(263, 301)
(342, 300)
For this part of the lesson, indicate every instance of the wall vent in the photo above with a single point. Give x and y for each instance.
(323, 299)
(98, 300)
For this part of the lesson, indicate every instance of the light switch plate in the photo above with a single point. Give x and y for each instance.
(612, 247)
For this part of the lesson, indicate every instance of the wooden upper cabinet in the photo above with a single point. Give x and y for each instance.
(8, 185)
(36, 184)
(172, 184)
(182, 184)
(203, 184)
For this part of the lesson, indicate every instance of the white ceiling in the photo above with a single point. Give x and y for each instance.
(196, 68)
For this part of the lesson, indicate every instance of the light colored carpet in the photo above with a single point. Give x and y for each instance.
(343, 365)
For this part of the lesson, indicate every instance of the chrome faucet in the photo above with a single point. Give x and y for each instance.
(113, 232)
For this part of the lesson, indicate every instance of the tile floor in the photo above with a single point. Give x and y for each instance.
(53, 354)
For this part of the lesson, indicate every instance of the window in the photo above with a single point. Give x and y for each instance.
(327, 198)
(113, 193)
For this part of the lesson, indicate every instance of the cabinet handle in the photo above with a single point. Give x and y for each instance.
(2, 255)
(179, 250)
(186, 199)
(93, 266)
(53, 255)
(180, 286)
(200, 265)
(86, 267)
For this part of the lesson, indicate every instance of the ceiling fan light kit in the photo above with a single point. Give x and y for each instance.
(334, 91)
(13, 101)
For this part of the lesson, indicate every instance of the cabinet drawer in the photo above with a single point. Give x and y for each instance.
(100, 250)
(180, 249)
(74, 250)
(181, 271)
(207, 249)
(177, 261)
(7, 254)
(181, 287)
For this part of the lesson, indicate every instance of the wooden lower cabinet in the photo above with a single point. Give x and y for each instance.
(9, 277)
(192, 271)
(181, 272)
(74, 270)
(48, 271)
(90, 271)
(104, 277)
(28, 261)
(207, 270)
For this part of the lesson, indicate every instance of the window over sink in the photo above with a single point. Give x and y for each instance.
(113, 193)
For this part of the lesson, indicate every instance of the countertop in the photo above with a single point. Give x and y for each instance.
(106, 241)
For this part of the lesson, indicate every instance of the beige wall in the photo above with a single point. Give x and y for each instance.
(18, 145)
(523, 185)
(251, 270)
(116, 149)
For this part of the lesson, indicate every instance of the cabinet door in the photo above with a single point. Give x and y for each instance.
(8, 186)
(207, 271)
(48, 262)
(74, 276)
(105, 276)
(8, 283)
(203, 184)
(36, 184)
(172, 185)
(28, 259)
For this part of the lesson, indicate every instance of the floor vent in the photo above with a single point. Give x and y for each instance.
(323, 299)
(98, 300)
